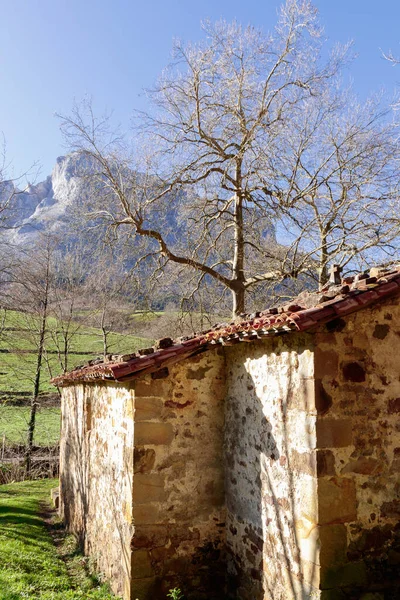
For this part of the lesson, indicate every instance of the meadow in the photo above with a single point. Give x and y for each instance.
(14, 425)
(18, 350)
(18, 363)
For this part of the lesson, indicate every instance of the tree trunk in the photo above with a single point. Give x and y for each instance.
(36, 383)
(238, 289)
(238, 301)
(104, 332)
(323, 262)
(36, 389)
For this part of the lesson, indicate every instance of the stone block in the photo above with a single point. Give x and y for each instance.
(148, 408)
(308, 541)
(143, 589)
(147, 513)
(127, 511)
(349, 575)
(303, 462)
(147, 433)
(337, 501)
(333, 545)
(141, 564)
(149, 536)
(310, 573)
(148, 488)
(325, 463)
(302, 396)
(129, 408)
(152, 387)
(323, 400)
(364, 465)
(307, 505)
(334, 433)
(326, 363)
(144, 459)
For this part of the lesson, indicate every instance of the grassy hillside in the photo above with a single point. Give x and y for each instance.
(14, 425)
(18, 358)
(18, 344)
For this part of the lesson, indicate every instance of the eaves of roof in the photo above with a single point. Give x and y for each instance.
(351, 295)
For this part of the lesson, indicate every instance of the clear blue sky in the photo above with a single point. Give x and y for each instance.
(55, 51)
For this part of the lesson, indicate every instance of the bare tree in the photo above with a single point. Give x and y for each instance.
(7, 189)
(31, 293)
(11, 189)
(229, 159)
(69, 268)
(111, 292)
(341, 167)
(7, 193)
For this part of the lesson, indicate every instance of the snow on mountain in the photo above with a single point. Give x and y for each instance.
(44, 206)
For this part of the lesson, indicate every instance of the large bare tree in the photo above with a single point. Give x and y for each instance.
(341, 167)
(248, 149)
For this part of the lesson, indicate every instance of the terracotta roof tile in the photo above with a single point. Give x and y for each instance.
(352, 294)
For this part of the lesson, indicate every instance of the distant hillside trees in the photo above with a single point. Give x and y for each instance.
(273, 171)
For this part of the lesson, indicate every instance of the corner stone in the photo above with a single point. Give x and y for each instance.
(337, 501)
(153, 434)
(334, 433)
(148, 488)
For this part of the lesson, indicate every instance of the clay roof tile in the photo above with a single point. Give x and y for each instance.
(311, 310)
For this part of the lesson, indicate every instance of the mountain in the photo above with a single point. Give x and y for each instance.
(46, 206)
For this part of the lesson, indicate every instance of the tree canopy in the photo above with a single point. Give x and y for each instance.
(253, 166)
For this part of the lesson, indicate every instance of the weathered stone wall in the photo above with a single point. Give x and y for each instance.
(96, 471)
(73, 465)
(302, 493)
(178, 493)
(357, 370)
(271, 471)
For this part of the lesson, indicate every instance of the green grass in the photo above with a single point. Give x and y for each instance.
(18, 367)
(14, 425)
(30, 565)
(18, 364)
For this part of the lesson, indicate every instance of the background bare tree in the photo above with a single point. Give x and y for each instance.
(11, 188)
(69, 267)
(111, 294)
(251, 170)
(341, 166)
(7, 257)
(31, 292)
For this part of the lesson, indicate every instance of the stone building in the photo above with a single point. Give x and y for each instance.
(258, 460)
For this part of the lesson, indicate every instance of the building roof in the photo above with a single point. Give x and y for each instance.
(340, 297)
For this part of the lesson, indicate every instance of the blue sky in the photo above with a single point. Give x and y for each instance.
(55, 51)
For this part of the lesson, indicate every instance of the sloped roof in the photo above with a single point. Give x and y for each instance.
(339, 298)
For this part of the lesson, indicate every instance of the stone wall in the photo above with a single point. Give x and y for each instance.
(299, 500)
(271, 486)
(142, 479)
(357, 370)
(96, 471)
(178, 495)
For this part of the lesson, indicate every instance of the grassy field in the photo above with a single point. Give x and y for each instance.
(14, 425)
(19, 341)
(18, 344)
(30, 564)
